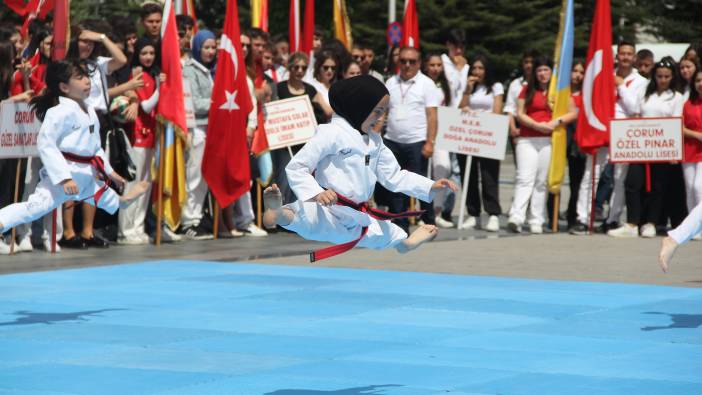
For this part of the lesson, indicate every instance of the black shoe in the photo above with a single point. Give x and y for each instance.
(75, 242)
(605, 227)
(579, 229)
(96, 242)
(196, 233)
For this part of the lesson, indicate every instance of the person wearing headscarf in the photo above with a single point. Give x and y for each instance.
(198, 72)
(334, 176)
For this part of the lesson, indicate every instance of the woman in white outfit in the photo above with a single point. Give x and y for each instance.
(533, 148)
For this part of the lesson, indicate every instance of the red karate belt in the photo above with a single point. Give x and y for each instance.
(329, 252)
(98, 164)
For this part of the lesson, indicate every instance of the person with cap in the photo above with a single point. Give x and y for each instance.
(335, 173)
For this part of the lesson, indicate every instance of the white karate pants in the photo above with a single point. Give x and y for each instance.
(47, 197)
(30, 184)
(316, 222)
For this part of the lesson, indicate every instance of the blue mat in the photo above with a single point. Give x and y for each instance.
(183, 327)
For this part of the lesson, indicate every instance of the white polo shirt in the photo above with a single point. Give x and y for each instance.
(515, 87)
(481, 100)
(407, 119)
(457, 79)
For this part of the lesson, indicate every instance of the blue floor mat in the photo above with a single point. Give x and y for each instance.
(185, 327)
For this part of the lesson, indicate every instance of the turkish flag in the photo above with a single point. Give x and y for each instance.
(225, 165)
(598, 93)
(171, 105)
(410, 26)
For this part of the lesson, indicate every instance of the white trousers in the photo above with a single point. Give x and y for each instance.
(617, 201)
(30, 184)
(693, 183)
(533, 158)
(584, 205)
(47, 197)
(691, 226)
(440, 168)
(131, 219)
(316, 222)
(195, 184)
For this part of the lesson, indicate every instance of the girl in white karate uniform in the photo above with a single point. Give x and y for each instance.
(69, 148)
(335, 173)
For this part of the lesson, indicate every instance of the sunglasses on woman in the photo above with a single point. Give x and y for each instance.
(328, 68)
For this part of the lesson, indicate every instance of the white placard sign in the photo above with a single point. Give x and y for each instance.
(19, 129)
(189, 107)
(646, 140)
(289, 122)
(481, 134)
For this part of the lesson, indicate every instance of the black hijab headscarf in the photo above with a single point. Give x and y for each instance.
(138, 46)
(355, 98)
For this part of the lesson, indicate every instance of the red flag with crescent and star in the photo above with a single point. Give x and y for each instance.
(598, 93)
(225, 165)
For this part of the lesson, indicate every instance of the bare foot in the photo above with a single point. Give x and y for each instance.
(668, 247)
(132, 194)
(275, 214)
(420, 236)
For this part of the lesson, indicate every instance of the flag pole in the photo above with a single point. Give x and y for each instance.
(556, 204)
(592, 198)
(464, 191)
(54, 215)
(215, 219)
(17, 181)
(161, 172)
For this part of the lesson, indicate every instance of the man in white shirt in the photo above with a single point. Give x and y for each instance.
(412, 124)
(363, 54)
(455, 65)
(630, 85)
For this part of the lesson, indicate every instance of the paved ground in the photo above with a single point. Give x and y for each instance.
(470, 313)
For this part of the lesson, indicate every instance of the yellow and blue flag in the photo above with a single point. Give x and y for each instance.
(174, 193)
(559, 95)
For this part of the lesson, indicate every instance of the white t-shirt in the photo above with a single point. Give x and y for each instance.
(686, 93)
(457, 79)
(515, 87)
(481, 100)
(321, 89)
(667, 104)
(98, 79)
(407, 120)
(629, 94)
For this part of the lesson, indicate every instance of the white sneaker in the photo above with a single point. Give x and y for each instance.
(624, 231)
(697, 237)
(648, 231)
(236, 233)
(168, 236)
(536, 229)
(25, 245)
(442, 223)
(254, 231)
(470, 222)
(514, 227)
(47, 245)
(4, 248)
(493, 224)
(132, 241)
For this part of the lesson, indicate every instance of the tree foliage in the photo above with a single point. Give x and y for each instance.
(501, 29)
